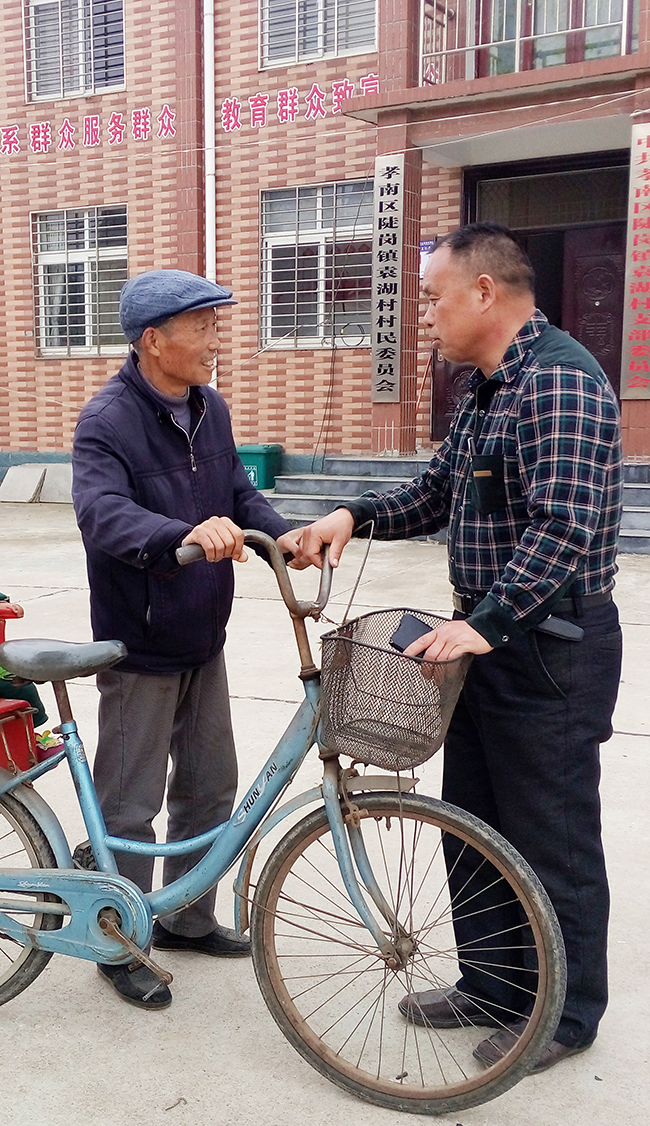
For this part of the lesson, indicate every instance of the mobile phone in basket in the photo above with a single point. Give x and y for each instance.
(408, 631)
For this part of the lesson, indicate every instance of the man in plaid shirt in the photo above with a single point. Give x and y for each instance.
(529, 483)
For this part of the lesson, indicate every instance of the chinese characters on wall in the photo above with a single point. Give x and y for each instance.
(88, 132)
(385, 323)
(635, 371)
(260, 110)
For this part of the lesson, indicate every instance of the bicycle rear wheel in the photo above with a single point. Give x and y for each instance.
(335, 998)
(23, 845)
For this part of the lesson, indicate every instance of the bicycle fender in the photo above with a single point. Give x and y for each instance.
(46, 818)
(241, 886)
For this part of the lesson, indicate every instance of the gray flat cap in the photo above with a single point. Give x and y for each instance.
(153, 297)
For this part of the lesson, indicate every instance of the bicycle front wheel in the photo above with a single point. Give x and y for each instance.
(23, 844)
(464, 907)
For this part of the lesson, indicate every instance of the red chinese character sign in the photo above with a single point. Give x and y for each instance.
(91, 131)
(386, 320)
(291, 104)
(635, 370)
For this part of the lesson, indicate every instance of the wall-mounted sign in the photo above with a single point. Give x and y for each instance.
(289, 104)
(635, 367)
(426, 250)
(90, 132)
(386, 320)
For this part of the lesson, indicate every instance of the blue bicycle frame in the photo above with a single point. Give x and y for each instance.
(92, 901)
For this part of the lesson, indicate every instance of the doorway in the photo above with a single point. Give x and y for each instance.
(579, 264)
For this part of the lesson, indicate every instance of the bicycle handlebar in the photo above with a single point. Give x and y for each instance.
(193, 552)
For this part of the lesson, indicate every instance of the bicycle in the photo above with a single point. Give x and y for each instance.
(352, 908)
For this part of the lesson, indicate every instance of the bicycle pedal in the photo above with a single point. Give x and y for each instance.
(84, 857)
(110, 928)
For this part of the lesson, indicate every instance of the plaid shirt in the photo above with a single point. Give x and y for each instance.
(552, 438)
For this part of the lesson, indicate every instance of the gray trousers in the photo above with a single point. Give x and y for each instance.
(143, 722)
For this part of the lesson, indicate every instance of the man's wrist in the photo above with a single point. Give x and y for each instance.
(361, 511)
(494, 622)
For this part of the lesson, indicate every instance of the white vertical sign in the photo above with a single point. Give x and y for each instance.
(386, 319)
(635, 359)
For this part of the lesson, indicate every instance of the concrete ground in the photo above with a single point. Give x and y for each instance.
(73, 1054)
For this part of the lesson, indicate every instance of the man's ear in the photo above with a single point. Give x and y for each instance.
(487, 291)
(149, 341)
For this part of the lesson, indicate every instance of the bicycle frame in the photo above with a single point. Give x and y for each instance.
(82, 892)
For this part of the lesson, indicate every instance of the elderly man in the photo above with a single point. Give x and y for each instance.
(155, 466)
(529, 483)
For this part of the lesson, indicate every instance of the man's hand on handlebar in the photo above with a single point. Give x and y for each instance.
(220, 539)
(335, 529)
(289, 544)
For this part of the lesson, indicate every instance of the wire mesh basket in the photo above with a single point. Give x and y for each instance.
(380, 707)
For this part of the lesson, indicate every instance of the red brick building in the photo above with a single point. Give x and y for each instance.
(503, 110)
(99, 109)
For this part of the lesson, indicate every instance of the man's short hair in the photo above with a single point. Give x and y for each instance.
(490, 248)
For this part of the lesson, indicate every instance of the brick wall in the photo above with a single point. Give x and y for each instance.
(307, 399)
(301, 398)
(41, 397)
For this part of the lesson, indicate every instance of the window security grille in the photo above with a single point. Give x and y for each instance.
(489, 37)
(306, 29)
(73, 47)
(80, 266)
(317, 265)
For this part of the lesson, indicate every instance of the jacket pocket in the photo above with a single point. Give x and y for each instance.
(487, 485)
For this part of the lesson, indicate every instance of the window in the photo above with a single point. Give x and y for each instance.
(307, 29)
(73, 47)
(317, 265)
(552, 32)
(483, 38)
(80, 266)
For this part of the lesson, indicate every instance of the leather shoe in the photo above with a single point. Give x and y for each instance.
(490, 1051)
(446, 1008)
(219, 943)
(138, 985)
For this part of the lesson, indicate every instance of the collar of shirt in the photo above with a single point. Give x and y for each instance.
(513, 356)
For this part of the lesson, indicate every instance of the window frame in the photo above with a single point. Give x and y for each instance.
(297, 57)
(87, 44)
(324, 237)
(67, 256)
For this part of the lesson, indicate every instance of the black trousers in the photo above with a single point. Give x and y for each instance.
(522, 753)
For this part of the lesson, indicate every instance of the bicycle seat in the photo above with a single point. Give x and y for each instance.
(35, 658)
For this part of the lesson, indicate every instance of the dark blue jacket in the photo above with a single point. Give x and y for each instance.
(139, 486)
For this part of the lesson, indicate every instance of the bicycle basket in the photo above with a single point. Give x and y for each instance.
(377, 705)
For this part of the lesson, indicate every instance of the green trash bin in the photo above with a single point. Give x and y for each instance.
(262, 463)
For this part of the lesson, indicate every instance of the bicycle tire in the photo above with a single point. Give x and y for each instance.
(23, 844)
(307, 939)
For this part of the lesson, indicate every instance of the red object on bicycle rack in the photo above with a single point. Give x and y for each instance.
(16, 727)
(16, 735)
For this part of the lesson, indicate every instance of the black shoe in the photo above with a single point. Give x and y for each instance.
(138, 985)
(490, 1051)
(221, 942)
(446, 1008)
(84, 857)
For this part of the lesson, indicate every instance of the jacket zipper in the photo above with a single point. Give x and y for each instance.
(190, 437)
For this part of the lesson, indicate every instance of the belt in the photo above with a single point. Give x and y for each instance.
(466, 603)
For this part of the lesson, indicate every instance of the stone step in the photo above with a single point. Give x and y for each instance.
(634, 541)
(314, 483)
(305, 506)
(404, 468)
(634, 495)
(638, 517)
(636, 472)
